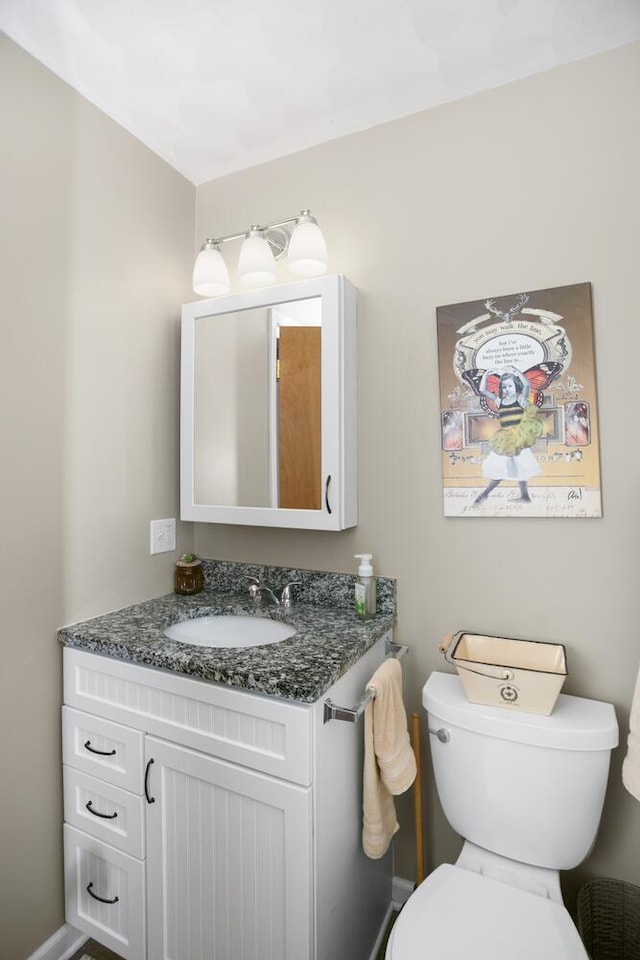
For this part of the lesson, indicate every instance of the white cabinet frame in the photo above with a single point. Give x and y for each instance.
(339, 407)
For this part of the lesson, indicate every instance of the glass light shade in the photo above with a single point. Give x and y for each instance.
(256, 264)
(307, 250)
(210, 274)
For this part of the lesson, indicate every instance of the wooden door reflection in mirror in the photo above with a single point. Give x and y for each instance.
(299, 418)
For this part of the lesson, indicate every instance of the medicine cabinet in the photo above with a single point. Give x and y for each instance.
(268, 432)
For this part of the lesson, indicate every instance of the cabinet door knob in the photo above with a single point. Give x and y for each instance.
(101, 753)
(150, 799)
(96, 813)
(96, 897)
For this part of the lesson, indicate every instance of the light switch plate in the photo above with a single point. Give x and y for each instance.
(162, 536)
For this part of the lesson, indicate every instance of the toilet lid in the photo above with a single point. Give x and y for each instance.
(457, 915)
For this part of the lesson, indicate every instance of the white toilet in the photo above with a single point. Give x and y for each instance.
(526, 793)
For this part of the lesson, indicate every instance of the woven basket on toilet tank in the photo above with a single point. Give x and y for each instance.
(522, 675)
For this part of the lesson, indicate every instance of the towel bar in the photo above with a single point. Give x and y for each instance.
(351, 714)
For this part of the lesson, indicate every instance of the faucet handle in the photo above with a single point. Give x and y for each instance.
(286, 592)
(254, 587)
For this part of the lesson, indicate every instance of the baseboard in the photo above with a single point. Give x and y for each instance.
(401, 890)
(67, 940)
(383, 929)
(62, 945)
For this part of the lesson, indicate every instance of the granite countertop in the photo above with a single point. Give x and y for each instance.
(327, 642)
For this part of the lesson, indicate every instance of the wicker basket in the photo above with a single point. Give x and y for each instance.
(609, 919)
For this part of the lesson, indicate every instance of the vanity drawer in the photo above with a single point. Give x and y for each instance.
(103, 749)
(105, 894)
(105, 811)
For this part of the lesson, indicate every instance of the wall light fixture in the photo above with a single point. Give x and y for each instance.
(304, 249)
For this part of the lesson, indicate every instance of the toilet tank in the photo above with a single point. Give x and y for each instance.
(522, 785)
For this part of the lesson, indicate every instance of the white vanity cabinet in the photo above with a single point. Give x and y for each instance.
(209, 823)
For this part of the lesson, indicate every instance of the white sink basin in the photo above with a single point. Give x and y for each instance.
(229, 631)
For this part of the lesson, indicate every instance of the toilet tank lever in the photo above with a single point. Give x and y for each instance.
(442, 734)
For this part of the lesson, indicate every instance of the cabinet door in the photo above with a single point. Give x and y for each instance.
(228, 860)
(230, 425)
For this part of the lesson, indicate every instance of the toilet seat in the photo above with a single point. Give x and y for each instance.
(459, 915)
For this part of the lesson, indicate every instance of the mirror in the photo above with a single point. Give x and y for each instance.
(257, 410)
(267, 423)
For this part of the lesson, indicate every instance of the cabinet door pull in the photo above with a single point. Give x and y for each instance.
(96, 813)
(101, 899)
(326, 493)
(150, 799)
(101, 753)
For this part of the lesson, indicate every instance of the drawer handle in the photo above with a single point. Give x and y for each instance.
(150, 799)
(101, 753)
(96, 813)
(101, 899)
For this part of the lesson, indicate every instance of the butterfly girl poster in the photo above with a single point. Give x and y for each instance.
(518, 413)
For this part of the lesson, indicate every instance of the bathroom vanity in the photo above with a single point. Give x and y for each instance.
(219, 819)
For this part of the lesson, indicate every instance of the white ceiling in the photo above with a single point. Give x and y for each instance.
(214, 86)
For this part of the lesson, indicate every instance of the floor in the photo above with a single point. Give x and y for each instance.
(94, 951)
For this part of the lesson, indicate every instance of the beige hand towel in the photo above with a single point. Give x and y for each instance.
(389, 761)
(631, 763)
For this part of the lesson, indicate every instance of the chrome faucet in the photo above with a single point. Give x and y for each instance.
(256, 588)
(285, 601)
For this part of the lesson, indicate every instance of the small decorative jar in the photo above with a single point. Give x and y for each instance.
(189, 576)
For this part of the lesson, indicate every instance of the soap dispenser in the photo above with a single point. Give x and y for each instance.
(365, 589)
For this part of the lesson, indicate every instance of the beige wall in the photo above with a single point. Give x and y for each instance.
(96, 256)
(527, 186)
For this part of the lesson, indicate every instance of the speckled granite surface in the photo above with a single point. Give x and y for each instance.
(329, 637)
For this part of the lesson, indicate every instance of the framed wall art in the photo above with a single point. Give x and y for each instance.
(518, 412)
